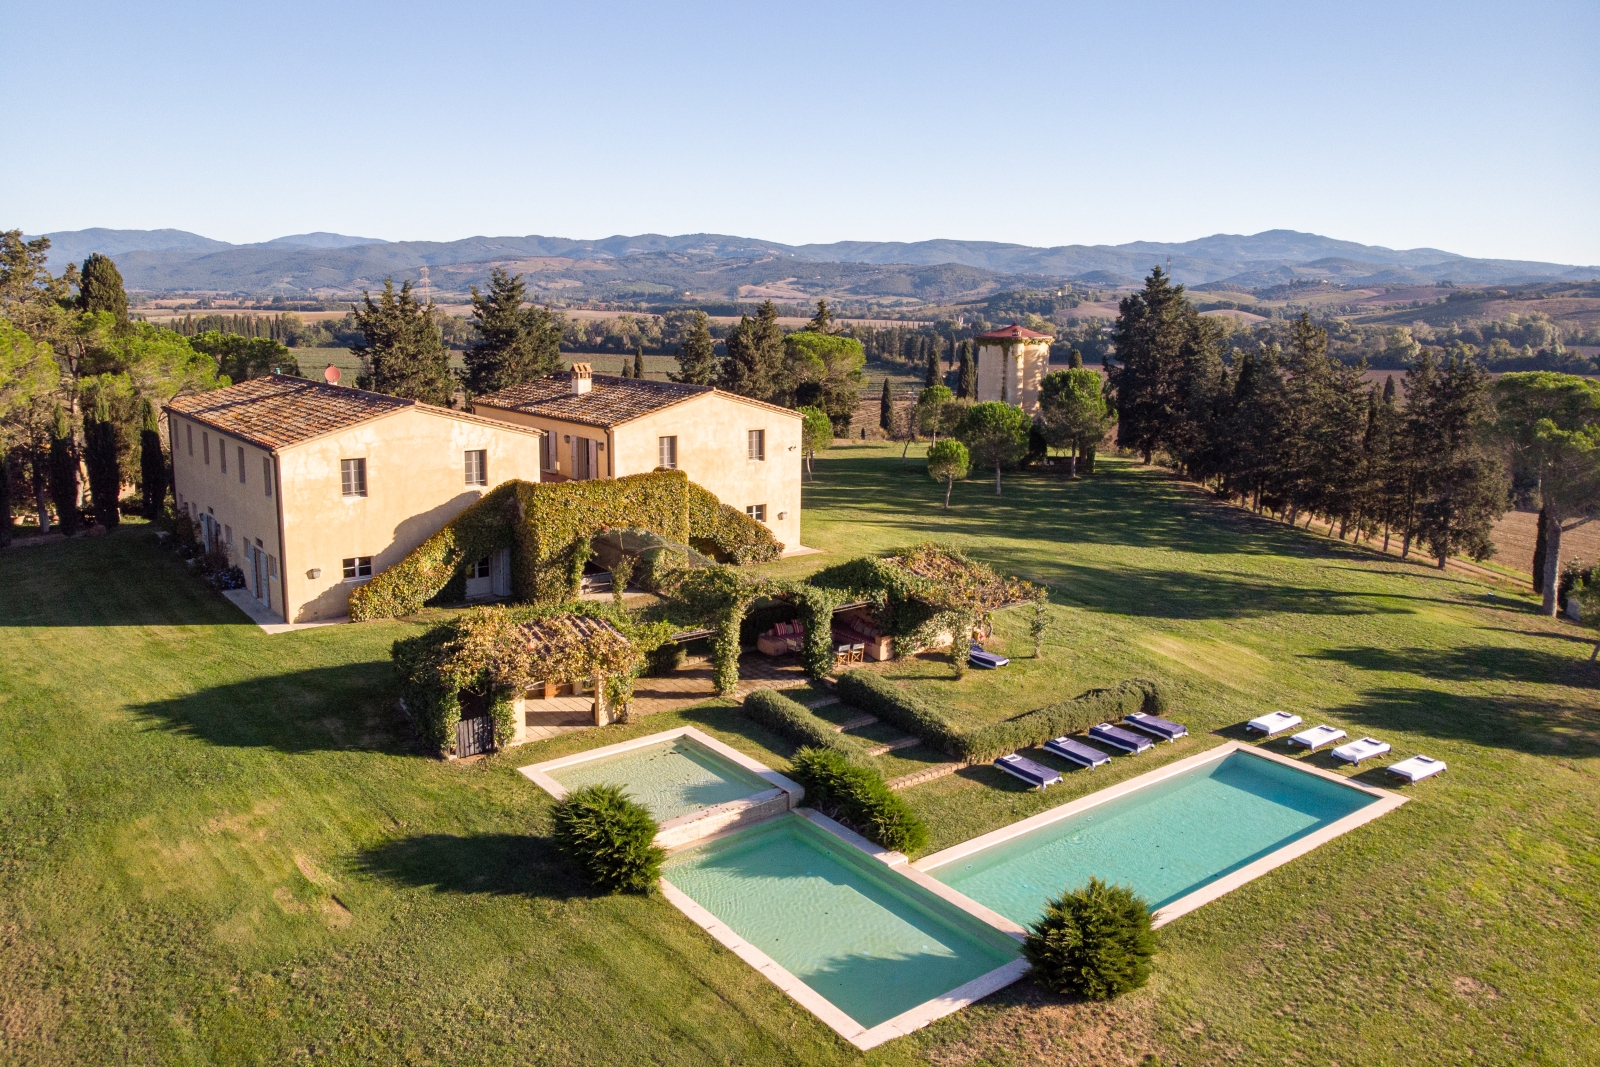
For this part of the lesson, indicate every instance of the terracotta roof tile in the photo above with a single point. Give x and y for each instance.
(276, 411)
(610, 401)
(1013, 333)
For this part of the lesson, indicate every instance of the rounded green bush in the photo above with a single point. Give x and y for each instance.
(1093, 942)
(611, 837)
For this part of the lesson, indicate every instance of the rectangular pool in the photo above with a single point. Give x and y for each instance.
(875, 947)
(1178, 836)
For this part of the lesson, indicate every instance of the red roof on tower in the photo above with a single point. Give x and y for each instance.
(1013, 333)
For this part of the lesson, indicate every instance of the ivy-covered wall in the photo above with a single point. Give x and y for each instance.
(727, 534)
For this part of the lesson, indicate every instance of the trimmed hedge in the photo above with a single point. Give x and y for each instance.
(857, 797)
(727, 533)
(562, 517)
(876, 694)
(795, 722)
(1093, 942)
(611, 837)
(1068, 717)
(873, 693)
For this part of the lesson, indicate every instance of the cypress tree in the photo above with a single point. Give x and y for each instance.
(64, 472)
(1541, 546)
(1075, 361)
(100, 288)
(152, 465)
(967, 373)
(638, 362)
(105, 474)
(886, 409)
(754, 365)
(402, 353)
(697, 355)
(931, 375)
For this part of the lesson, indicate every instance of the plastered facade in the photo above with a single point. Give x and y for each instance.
(1011, 372)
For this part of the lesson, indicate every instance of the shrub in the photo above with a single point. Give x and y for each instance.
(503, 711)
(1068, 717)
(876, 694)
(1093, 942)
(858, 797)
(795, 722)
(610, 837)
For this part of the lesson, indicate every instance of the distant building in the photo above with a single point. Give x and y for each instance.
(1011, 362)
(602, 426)
(313, 488)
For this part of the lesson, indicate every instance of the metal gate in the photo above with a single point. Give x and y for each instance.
(474, 735)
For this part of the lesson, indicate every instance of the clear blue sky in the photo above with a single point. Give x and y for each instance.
(1466, 126)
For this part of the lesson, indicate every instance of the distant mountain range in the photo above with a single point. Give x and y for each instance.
(717, 266)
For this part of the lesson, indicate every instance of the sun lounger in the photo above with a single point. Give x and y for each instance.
(1363, 749)
(1157, 727)
(1076, 752)
(1120, 739)
(1316, 737)
(1276, 723)
(1417, 768)
(986, 660)
(1027, 770)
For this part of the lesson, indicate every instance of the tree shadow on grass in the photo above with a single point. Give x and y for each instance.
(347, 707)
(489, 864)
(1476, 663)
(1183, 594)
(1536, 727)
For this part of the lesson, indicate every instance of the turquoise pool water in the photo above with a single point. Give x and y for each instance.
(869, 940)
(671, 778)
(1165, 840)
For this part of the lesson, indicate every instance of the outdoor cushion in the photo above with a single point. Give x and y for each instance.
(1316, 737)
(1032, 773)
(1356, 751)
(1156, 726)
(1417, 768)
(1275, 723)
(1076, 752)
(1118, 738)
(987, 660)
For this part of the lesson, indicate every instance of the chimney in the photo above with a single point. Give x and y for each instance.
(582, 378)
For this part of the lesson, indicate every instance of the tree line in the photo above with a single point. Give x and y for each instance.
(1290, 431)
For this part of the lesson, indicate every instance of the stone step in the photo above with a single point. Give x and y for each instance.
(856, 723)
(906, 781)
(825, 702)
(896, 744)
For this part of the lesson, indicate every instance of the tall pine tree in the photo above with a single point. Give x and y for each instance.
(100, 288)
(754, 366)
(1466, 487)
(515, 344)
(1151, 329)
(402, 353)
(697, 355)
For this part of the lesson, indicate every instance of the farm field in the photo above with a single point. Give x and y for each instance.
(219, 847)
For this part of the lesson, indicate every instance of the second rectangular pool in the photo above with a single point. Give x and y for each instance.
(1167, 839)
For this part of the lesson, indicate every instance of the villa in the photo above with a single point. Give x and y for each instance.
(313, 488)
(602, 426)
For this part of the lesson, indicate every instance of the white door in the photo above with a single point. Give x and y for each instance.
(500, 571)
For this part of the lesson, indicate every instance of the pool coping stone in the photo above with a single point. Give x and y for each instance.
(1385, 802)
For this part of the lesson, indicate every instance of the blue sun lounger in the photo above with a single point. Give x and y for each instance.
(1120, 739)
(986, 660)
(1032, 773)
(1076, 752)
(1157, 727)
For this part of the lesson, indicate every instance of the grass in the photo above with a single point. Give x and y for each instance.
(218, 847)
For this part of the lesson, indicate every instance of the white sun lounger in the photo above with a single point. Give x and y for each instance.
(1276, 723)
(1356, 751)
(1417, 768)
(1316, 737)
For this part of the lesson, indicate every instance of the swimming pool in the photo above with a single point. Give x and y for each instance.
(692, 784)
(868, 950)
(1179, 836)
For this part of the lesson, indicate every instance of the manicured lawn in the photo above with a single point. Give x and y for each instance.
(218, 847)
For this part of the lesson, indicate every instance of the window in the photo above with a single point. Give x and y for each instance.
(188, 433)
(227, 534)
(222, 454)
(241, 464)
(547, 451)
(477, 467)
(353, 477)
(479, 569)
(205, 446)
(757, 441)
(757, 512)
(667, 452)
(266, 473)
(356, 567)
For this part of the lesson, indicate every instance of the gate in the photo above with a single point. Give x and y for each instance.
(475, 735)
